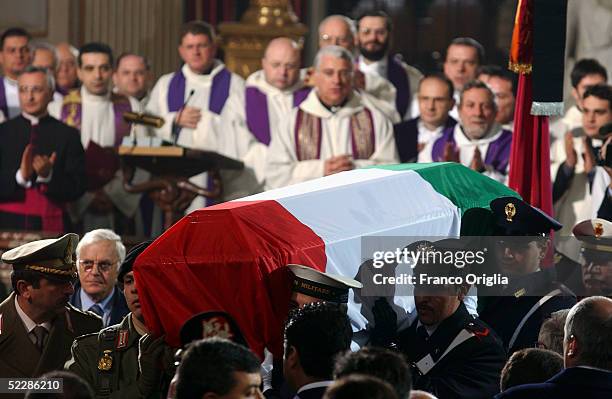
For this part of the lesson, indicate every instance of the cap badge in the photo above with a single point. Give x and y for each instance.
(106, 361)
(598, 229)
(216, 328)
(510, 211)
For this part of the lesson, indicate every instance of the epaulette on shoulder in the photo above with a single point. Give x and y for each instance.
(73, 97)
(478, 328)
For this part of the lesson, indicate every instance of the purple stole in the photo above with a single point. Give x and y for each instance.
(257, 116)
(399, 79)
(72, 110)
(218, 94)
(3, 103)
(308, 132)
(498, 151)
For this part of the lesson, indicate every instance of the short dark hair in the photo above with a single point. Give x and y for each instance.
(14, 32)
(602, 91)
(379, 14)
(530, 366)
(378, 362)
(30, 276)
(499, 72)
(208, 366)
(144, 59)
(584, 67)
(360, 387)
(318, 332)
(442, 78)
(197, 28)
(73, 386)
(468, 41)
(592, 328)
(95, 47)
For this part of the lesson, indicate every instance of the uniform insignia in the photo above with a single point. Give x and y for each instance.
(520, 293)
(510, 211)
(216, 327)
(598, 230)
(106, 361)
(122, 339)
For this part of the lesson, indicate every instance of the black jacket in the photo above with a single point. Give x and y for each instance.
(119, 307)
(471, 370)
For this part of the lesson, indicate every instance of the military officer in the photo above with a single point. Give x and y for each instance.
(37, 323)
(453, 354)
(532, 293)
(596, 237)
(124, 360)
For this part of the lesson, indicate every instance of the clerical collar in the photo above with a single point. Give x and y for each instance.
(333, 108)
(34, 120)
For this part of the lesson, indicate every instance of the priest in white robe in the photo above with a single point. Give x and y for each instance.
(204, 108)
(332, 130)
(98, 114)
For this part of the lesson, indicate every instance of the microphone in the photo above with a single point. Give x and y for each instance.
(176, 129)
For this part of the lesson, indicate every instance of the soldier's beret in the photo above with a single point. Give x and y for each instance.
(211, 324)
(55, 258)
(128, 263)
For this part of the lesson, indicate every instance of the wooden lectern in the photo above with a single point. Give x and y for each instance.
(171, 167)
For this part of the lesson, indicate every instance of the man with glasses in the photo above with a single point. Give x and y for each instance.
(99, 254)
(517, 311)
(42, 161)
(38, 324)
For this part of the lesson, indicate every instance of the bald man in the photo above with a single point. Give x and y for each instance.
(338, 30)
(273, 92)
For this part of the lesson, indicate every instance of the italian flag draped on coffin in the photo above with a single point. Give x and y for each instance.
(231, 257)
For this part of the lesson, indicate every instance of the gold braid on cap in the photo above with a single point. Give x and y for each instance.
(70, 272)
(598, 247)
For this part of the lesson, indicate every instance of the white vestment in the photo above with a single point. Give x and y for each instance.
(284, 168)
(225, 133)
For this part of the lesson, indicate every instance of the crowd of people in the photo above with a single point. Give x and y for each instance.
(75, 314)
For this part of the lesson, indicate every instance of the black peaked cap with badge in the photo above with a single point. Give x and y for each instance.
(515, 217)
(325, 286)
(130, 258)
(211, 324)
(55, 258)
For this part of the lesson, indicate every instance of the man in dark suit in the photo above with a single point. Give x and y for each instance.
(99, 254)
(452, 353)
(314, 335)
(42, 163)
(587, 351)
(37, 323)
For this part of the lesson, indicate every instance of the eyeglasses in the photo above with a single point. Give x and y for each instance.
(103, 266)
(328, 39)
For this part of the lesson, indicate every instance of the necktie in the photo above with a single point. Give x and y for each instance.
(97, 309)
(40, 333)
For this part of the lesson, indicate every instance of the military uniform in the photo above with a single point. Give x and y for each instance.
(596, 241)
(22, 355)
(528, 300)
(111, 361)
(19, 357)
(463, 357)
(108, 360)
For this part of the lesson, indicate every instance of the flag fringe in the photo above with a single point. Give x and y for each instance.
(519, 67)
(548, 109)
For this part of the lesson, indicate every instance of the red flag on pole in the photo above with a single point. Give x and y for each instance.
(538, 43)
